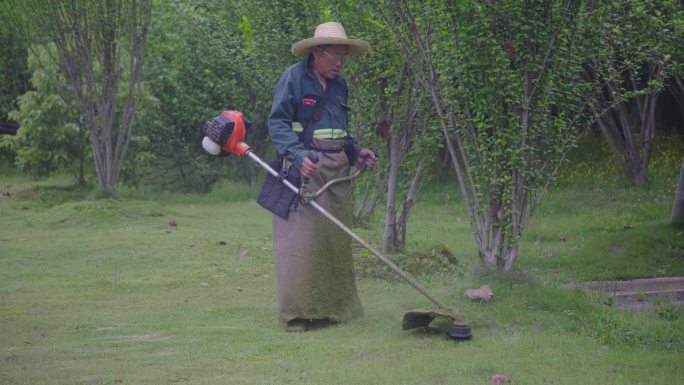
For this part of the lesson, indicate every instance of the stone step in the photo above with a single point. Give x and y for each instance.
(641, 295)
(672, 295)
(644, 285)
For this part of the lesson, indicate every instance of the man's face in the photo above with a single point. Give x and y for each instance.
(328, 60)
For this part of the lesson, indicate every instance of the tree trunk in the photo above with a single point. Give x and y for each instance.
(677, 89)
(408, 205)
(488, 257)
(361, 204)
(647, 112)
(678, 206)
(370, 200)
(510, 255)
(81, 171)
(677, 92)
(389, 237)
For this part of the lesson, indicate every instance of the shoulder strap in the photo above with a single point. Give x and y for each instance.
(317, 115)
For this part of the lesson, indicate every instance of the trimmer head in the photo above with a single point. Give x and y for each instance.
(459, 332)
(422, 318)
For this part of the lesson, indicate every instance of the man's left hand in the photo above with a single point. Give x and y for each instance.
(367, 155)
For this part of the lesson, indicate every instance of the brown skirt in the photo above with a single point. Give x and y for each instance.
(313, 257)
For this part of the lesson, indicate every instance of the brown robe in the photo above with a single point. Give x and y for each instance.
(313, 257)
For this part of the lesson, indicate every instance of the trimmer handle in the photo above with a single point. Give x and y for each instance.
(364, 165)
(314, 157)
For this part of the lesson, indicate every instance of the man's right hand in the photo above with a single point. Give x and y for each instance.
(308, 167)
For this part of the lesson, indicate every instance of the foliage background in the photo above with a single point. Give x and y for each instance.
(206, 56)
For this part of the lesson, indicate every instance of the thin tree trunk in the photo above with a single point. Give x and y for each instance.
(361, 204)
(510, 255)
(677, 91)
(678, 205)
(402, 222)
(389, 237)
(373, 204)
(647, 133)
(81, 170)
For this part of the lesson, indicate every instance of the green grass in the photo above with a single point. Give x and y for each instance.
(150, 288)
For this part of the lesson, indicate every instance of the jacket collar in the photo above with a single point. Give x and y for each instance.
(308, 67)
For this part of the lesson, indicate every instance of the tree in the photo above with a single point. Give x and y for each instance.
(639, 37)
(402, 114)
(14, 78)
(99, 50)
(51, 135)
(675, 84)
(392, 114)
(504, 78)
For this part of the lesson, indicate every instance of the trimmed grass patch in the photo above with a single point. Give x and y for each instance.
(126, 290)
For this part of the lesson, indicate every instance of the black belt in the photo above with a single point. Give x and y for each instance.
(328, 151)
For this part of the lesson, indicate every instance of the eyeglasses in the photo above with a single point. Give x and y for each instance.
(334, 57)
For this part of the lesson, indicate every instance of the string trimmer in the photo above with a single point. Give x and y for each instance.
(225, 135)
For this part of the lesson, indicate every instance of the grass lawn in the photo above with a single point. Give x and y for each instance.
(180, 289)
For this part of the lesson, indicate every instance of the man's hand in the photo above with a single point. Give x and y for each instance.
(367, 155)
(308, 167)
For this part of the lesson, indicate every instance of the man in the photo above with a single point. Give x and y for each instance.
(313, 260)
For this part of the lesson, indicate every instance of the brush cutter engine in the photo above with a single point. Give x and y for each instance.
(225, 134)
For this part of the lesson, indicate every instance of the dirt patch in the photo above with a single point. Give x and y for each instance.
(143, 338)
(92, 379)
(102, 328)
(11, 358)
(25, 194)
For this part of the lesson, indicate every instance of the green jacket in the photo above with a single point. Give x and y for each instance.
(294, 101)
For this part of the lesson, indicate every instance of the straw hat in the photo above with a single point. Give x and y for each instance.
(329, 33)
